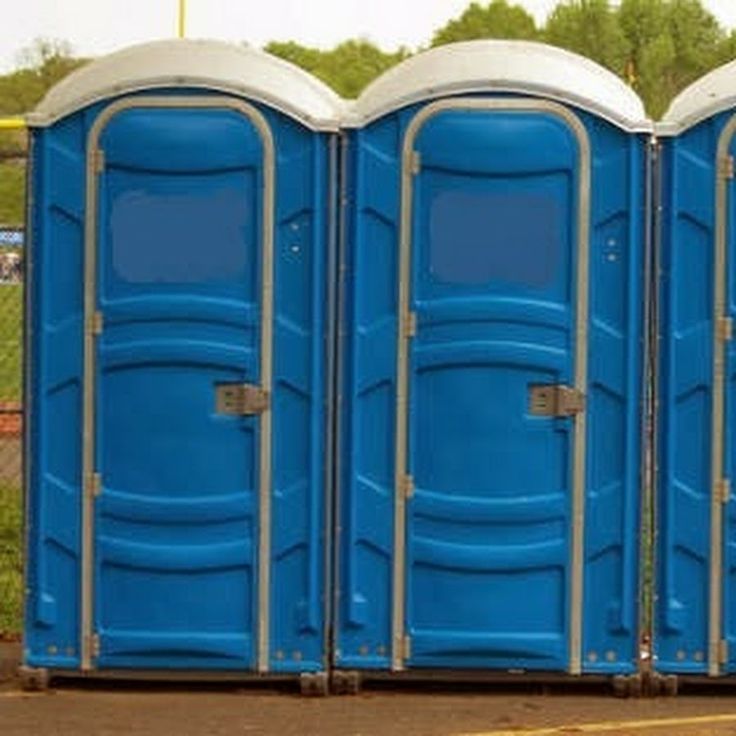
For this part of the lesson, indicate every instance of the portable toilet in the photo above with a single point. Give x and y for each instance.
(181, 223)
(491, 380)
(695, 618)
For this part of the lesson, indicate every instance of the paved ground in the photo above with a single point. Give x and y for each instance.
(116, 710)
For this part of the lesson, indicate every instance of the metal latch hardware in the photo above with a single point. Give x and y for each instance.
(555, 400)
(726, 167)
(725, 329)
(240, 398)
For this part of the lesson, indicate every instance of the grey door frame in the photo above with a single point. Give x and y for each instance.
(90, 479)
(410, 167)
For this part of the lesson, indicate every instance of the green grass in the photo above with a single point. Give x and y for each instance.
(12, 192)
(11, 565)
(11, 342)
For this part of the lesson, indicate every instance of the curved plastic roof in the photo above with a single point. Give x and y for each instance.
(713, 93)
(505, 66)
(186, 63)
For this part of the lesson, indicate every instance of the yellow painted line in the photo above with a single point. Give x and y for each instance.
(13, 123)
(608, 726)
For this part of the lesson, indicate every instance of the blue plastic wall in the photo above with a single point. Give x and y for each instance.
(492, 560)
(181, 564)
(688, 172)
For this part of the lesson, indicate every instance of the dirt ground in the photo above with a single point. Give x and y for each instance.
(144, 711)
(116, 709)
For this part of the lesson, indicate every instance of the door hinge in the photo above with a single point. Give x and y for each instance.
(723, 651)
(555, 400)
(97, 323)
(416, 162)
(723, 488)
(726, 167)
(407, 486)
(406, 647)
(724, 327)
(94, 646)
(410, 324)
(99, 160)
(94, 484)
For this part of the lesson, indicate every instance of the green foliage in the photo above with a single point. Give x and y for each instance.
(11, 341)
(347, 68)
(497, 20)
(671, 44)
(727, 49)
(11, 565)
(12, 192)
(657, 46)
(43, 64)
(591, 28)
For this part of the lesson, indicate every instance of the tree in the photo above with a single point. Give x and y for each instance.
(671, 43)
(590, 28)
(347, 68)
(497, 20)
(696, 35)
(727, 49)
(651, 49)
(42, 65)
(51, 59)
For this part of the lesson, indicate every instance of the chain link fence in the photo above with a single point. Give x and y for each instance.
(11, 382)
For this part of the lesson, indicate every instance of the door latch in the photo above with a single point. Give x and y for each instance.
(240, 399)
(555, 400)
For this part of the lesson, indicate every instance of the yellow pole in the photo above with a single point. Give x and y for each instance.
(12, 123)
(182, 18)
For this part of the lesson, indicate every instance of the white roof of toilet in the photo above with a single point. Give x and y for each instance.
(503, 66)
(711, 94)
(212, 65)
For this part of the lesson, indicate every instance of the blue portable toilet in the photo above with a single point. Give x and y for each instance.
(491, 379)
(695, 618)
(181, 223)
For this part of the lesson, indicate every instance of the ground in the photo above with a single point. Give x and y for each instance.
(114, 711)
(159, 710)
